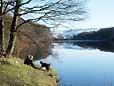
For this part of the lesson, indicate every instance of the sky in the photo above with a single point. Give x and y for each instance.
(100, 15)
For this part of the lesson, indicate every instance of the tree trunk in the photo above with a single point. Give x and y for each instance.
(13, 31)
(11, 44)
(2, 45)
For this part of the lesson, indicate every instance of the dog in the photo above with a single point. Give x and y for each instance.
(47, 66)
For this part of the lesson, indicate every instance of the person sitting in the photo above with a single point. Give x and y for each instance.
(29, 61)
(3, 53)
(47, 66)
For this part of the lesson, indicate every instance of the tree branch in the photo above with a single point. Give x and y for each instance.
(34, 19)
(25, 2)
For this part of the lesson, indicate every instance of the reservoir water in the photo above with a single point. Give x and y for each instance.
(83, 64)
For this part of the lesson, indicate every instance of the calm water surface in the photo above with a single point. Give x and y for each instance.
(77, 66)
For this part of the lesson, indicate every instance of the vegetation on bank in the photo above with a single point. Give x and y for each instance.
(14, 73)
(32, 38)
(106, 34)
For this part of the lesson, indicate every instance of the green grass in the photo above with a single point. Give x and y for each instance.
(19, 74)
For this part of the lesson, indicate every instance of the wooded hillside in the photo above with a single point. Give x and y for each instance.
(105, 34)
(32, 38)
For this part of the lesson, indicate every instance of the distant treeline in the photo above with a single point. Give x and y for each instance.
(105, 34)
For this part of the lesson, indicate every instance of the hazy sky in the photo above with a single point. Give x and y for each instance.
(100, 14)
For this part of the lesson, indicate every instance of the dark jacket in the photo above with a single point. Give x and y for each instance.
(28, 61)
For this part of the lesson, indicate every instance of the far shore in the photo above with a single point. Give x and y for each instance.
(70, 40)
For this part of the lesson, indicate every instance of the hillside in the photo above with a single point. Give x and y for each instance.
(19, 74)
(105, 34)
(32, 39)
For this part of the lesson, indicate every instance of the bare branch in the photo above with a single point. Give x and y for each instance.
(25, 2)
(8, 3)
(37, 8)
(34, 19)
(57, 11)
(13, 7)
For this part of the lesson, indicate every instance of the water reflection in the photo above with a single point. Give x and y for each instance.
(103, 46)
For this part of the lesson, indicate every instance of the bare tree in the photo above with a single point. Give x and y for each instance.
(51, 12)
(54, 11)
(1, 25)
(3, 7)
(13, 30)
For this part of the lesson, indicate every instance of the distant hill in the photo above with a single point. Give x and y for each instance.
(106, 34)
(68, 34)
(30, 36)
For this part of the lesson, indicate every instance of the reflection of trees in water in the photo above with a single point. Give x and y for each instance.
(103, 46)
(55, 54)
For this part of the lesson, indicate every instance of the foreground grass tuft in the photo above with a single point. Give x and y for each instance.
(14, 73)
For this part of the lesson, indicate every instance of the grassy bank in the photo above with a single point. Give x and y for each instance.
(14, 73)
